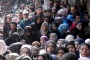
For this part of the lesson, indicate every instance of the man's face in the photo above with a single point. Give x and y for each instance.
(25, 16)
(73, 10)
(39, 11)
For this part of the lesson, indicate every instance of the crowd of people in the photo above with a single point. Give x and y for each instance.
(33, 30)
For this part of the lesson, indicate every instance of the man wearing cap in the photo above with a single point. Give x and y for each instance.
(26, 21)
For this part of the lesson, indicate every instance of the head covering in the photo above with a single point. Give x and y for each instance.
(63, 27)
(42, 51)
(50, 41)
(79, 40)
(63, 40)
(69, 38)
(27, 46)
(25, 11)
(87, 40)
(54, 57)
(69, 56)
(3, 47)
(45, 38)
(15, 47)
(70, 17)
(12, 56)
(23, 58)
(85, 44)
(63, 12)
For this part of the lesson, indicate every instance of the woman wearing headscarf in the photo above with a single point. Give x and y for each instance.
(45, 29)
(6, 28)
(12, 56)
(50, 47)
(12, 39)
(28, 35)
(3, 49)
(63, 28)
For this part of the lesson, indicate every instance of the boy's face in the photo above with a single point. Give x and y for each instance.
(13, 26)
(60, 44)
(53, 37)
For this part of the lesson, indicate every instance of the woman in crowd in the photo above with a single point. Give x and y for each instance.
(60, 51)
(6, 28)
(45, 29)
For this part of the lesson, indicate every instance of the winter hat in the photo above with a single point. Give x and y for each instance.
(87, 40)
(25, 11)
(63, 12)
(69, 38)
(69, 56)
(79, 40)
(58, 18)
(3, 47)
(42, 51)
(70, 17)
(45, 38)
(63, 27)
(50, 41)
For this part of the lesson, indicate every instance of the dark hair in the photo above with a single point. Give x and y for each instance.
(54, 24)
(12, 22)
(28, 29)
(46, 56)
(85, 44)
(61, 48)
(70, 43)
(38, 16)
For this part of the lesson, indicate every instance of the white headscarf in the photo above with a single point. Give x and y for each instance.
(3, 47)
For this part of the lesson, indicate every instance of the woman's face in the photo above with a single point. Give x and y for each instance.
(53, 37)
(8, 19)
(40, 58)
(25, 51)
(50, 48)
(71, 48)
(42, 41)
(53, 27)
(46, 20)
(84, 51)
(77, 45)
(39, 20)
(45, 27)
(60, 53)
(79, 26)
